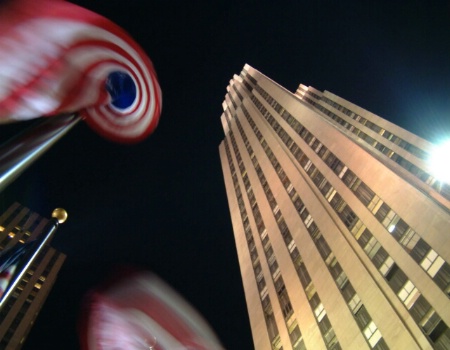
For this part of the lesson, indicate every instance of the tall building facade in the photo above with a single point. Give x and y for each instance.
(342, 233)
(19, 225)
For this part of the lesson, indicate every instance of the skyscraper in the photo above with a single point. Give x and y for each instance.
(342, 232)
(19, 225)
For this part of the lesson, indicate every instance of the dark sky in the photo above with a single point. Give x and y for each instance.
(161, 204)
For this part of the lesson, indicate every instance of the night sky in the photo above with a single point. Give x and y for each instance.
(161, 204)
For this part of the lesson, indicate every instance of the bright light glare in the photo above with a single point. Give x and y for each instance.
(440, 162)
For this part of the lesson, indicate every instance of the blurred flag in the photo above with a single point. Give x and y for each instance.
(10, 259)
(139, 311)
(56, 57)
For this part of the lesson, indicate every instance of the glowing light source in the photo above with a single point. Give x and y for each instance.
(439, 162)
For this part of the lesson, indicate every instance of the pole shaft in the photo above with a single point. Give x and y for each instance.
(21, 151)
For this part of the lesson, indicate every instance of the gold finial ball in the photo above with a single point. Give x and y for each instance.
(60, 214)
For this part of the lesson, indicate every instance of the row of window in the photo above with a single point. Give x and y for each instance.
(325, 327)
(410, 240)
(368, 328)
(280, 288)
(440, 187)
(414, 150)
(265, 300)
(373, 249)
(24, 226)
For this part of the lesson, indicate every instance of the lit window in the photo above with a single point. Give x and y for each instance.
(342, 173)
(355, 304)
(375, 204)
(429, 259)
(276, 273)
(320, 312)
(264, 292)
(391, 219)
(358, 229)
(329, 196)
(409, 239)
(276, 210)
(308, 165)
(341, 279)
(408, 294)
(291, 246)
(372, 247)
(386, 266)
(308, 221)
(372, 334)
(264, 234)
(310, 291)
(331, 259)
(290, 188)
(432, 263)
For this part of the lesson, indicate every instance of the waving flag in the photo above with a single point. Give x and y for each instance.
(139, 311)
(56, 57)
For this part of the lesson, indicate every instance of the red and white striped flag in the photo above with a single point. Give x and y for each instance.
(139, 311)
(56, 57)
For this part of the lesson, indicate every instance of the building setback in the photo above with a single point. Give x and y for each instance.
(341, 231)
(19, 225)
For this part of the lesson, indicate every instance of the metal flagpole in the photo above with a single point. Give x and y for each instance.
(21, 151)
(59, 216)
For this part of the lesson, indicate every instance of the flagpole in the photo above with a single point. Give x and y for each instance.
(21, 151)
(59, 216)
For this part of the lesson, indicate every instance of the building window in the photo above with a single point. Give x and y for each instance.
(283, 297)
(296, 338)
(432, 262)
(372, 334)
(320, 312)
(362, 317)
(364, 194)
(355, 304)
(408, 294)
(328, 334)
(420, 250)
(442, 278)
(270, 321)
(386, 266)
(409, 239)
(372, 247)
